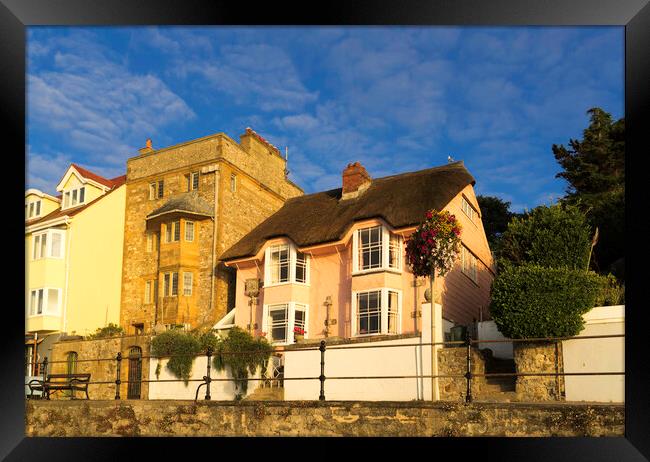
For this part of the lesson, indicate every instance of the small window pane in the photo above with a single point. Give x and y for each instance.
(149, 242)
(189, 231)
(31, 210)
(152, 191)
(177, 231)
(278, 322)
(66, 199)
(53, 301)
(370, 248)
(301, 267)
(187, 284)
(147, 292)
(161, 188)
(82, 195)
(74, 197)
(56, 245)
(392, 312)
(34, 300)
(40, 302)
(43, 246)
(37, 246)
(279, 264)
(174, 283)
(168, 232)
(195, 180)
(369, 312)
(166, 285)
(38, 208)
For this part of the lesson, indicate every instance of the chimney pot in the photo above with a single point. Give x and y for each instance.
(355, 180)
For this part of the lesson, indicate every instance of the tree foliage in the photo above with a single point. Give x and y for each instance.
(594, 168)
(182, 347)
(495, 215)
(554, 237)
(111, 330)
(242, 354)
(530, 301)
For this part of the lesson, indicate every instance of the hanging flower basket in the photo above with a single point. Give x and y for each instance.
(434, 245)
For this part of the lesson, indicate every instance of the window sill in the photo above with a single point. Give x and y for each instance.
(57, 315)
(304, 284)
(377, 270)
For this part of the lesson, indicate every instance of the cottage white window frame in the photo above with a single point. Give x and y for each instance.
(188, 281)
(49, 305)
(39, 252)
(33, 209)
(292, 262)
(385, 312)
(74, 197)
(291, 308)
(390, 242)
(189, 231)
(469, 264)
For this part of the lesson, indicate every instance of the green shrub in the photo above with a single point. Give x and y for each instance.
(555, 237)
(112, 330)
(611, 292)
(242, 354)
(530, 301)
(182, 347)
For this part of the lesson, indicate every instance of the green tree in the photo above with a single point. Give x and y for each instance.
(558, 236)
(495, 215)
(594, 168)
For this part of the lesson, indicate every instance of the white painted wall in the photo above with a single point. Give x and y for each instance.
(597, 355)
(487, 330)
(356, 362)
(219, 390)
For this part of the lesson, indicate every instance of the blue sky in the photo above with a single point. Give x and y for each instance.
(396, 99)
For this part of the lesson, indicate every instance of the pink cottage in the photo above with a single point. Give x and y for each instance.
(333, 264)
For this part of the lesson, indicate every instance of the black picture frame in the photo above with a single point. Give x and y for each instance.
(634, 15)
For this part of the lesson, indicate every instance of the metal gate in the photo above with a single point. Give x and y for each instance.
(135, 373)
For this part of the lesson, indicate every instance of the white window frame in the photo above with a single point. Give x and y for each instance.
(185, 285)
(383, 326)
(386, 235)
(46, 311)
(74, 195)
(292, 265)
(190, 181)
(291, 318)
(469, 264)
(176, 230)
(34, 209)
(147, 292)
(468, 209)
(192, 227)
(37, 254)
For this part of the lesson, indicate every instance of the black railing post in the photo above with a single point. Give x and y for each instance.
(322, 371)
(118, 358)
(468, 375)
(44, 392)
(207, 377)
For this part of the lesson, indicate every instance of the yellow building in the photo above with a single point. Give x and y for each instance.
(73, 254)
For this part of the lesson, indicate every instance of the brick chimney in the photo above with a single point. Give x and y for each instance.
(355, 180)
(148, 147)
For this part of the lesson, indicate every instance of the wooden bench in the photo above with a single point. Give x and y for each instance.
(57, 382)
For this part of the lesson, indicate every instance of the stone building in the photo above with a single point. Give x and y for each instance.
(185, 205)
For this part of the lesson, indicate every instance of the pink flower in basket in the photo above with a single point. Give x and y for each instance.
(298, 330)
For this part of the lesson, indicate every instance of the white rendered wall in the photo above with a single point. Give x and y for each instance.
(219, 390)
(597, 355)
(487, 330)
(354, 361)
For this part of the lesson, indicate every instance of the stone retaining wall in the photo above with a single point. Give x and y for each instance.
(453, 361)
(313, 418)
(539, 357)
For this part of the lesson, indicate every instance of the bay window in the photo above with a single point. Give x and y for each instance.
(284, 264)
(375, 248)
(376, 311)
(45, 301)
(279, 321)
(48, 244)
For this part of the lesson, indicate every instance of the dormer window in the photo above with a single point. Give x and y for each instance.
(74, 197)
(33, 209)
(285, 264)
(468, 209)
(375, 248)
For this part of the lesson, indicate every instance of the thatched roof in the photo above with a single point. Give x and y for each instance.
(189, 202)
(401, 200)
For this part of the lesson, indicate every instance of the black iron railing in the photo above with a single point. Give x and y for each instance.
(469, 376)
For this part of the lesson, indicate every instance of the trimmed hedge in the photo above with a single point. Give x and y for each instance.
(555, 237)
(531, 301)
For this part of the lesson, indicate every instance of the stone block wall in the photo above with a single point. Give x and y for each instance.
(101, 371)
(314, 418)
(261, 187)
(453, 361)
(539, 357)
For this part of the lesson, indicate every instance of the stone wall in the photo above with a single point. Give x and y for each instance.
(305, 418)
(453, 361)
(101, 371)
(261, 189)
(539, 357)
